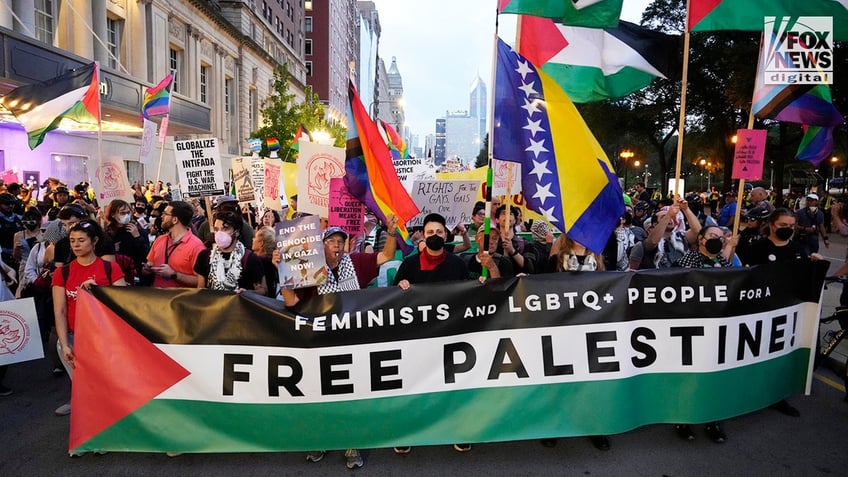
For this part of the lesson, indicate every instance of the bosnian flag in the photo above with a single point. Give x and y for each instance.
(40, 107)
(592, 64)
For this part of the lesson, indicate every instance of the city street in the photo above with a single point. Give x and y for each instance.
(34, 441)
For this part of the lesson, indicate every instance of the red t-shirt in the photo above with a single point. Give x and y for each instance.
(79, 273)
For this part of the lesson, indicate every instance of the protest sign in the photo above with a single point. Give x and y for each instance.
(243, 179)
(111, 182)
(20, 339)
(199, 167)
(148, 137)
(317, 164)
(365, 368)
(257, 175)
(9, 176)
(302, 262)
(345, 210)
(454, 200)
(748, 154)
(271, 191)
(412, 169)
(500, 172)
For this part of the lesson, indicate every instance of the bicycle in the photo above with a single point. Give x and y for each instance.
(832, 338)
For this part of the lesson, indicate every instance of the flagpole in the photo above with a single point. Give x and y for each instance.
(741, 189)
(487, 221)
(163, 134)
(99, 124)
(681, 121)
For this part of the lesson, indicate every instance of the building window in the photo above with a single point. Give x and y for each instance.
(251, 109)
(175, 58)
(228, 84)
(308, 68)
(114, 31)
(307, 47)
(308, 24)
(307, 5)
(204, 83)
(44, 26)
(135, 171)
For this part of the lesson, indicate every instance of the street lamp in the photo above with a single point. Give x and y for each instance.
(625, 155)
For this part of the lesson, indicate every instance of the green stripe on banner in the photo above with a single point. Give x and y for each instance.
(477, 415)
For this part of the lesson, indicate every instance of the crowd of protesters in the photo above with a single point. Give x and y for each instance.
(57, 239)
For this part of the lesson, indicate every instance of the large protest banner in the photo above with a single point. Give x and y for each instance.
(199, 167)
(453, 200)
(20, 339)
(316, 165)
(552, 355)
(111, 182)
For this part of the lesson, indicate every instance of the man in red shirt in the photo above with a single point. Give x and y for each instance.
(172, 255)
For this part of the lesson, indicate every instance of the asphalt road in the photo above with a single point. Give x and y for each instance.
(33, 442)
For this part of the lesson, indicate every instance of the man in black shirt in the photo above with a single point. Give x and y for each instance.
(434, 263)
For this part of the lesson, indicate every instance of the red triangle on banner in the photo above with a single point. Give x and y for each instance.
(541, 39)
(117, 370)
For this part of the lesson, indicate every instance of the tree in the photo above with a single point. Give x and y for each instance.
(483, 156)
(281, 116)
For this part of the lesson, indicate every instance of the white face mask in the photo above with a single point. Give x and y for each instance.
(124, 219)
(813, 209)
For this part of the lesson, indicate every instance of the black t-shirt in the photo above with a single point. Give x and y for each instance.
(63, 254)
(452, 269)
(251, 273)
(765, 251)
(9, 226)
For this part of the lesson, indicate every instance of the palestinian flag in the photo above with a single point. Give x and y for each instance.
(593, 64)
(710, 15)
(587, 13)
(193, 370)
(298, 135)
(40, 107)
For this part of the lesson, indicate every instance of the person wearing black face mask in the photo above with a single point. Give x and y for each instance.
(778, 246)
(434, 263)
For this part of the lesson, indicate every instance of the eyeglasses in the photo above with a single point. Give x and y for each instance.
(481, 214)
(30, 222)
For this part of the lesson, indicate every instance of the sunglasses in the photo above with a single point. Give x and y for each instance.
(30, 222)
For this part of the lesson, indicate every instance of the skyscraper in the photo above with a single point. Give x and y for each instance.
(477, 106)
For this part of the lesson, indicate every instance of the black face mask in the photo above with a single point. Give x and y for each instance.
(713, 245)
(783, 233)
(140, 210)
(435, 243)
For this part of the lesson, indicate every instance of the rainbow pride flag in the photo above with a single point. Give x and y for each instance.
(370, 174)
(157, 100)
(397, 146)
(272, 143)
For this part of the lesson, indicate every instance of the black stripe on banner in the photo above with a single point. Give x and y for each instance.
(661, 50)
(191, 316)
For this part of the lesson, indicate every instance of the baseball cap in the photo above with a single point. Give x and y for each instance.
(223, 199)
(813, 195)
(758, 213)
(642, 206)
(61, 190)
(332, 231)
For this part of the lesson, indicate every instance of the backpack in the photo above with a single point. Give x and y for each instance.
(106, 265)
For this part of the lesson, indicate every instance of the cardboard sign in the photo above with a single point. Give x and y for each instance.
(243, 179)
(749, 153)
(20, 339)
(148, 137)
(273, 188)
(302, 262)
(345, 210)
(316, 165)
(111, 182)
(500, 173)
(414, 169)
(199, 167)
(454, 200)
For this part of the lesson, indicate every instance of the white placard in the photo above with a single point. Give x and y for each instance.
(148, 137)
(199, 167)
(111, 182)
(453, 200)
(499, 177)
(20, 339)
(414, 169)
(316, 165)
(243, 179)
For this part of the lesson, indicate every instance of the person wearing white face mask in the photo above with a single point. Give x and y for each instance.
(229, 266)
(131, 244)
(809, 226)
